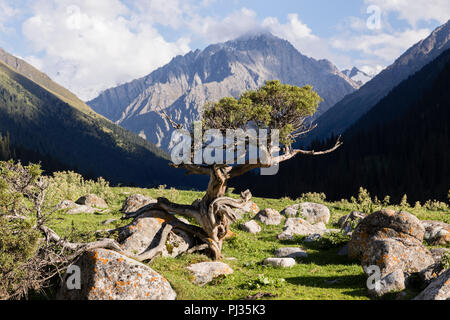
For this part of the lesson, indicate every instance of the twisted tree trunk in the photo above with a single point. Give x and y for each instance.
(214, 213)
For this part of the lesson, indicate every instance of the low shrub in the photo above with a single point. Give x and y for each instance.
(69, 185)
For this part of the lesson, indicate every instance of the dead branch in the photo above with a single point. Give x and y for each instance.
(152, 253)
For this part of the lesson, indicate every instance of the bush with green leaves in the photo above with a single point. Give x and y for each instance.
(445, 261)
(20, 199)
(264, 281)
(435, 205)
(18, 245)
(313, 197)
(69, 185)
(31, 254)
(331, 240)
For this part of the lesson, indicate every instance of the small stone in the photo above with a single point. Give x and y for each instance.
(205, 272)
(314, 212)
(66, 204)
(348, 222)
(280, 262)
(300, 227)
(313, 238)
(393, 282)
(437, 233)
(269, 217)
(291, 253)
(92, 200)
(135, 202)
(251, 227)
(82, 209)
(290, 212)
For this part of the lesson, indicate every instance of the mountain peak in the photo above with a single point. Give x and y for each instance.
(187, 83)
(358, 76)
(257, 35)
(431, 46)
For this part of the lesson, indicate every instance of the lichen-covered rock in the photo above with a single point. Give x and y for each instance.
(401, 252)
(300, 227)
(269, 217)
(294, 253)
(92, 200)
(393, 282)
(82, 209)
(314, 212)
(250, 208)
(437, 233)
(280, 262)
(313, 238)
(438, 253)
(108, 275)
(135, 202)
(291, 211)
(251, 227)
(205, 272)
(350, 221)
(144, 233)
(66, 204)
(439, 289)
(392, 223)
(426, 276)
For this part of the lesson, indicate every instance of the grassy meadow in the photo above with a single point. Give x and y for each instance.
(324, 275)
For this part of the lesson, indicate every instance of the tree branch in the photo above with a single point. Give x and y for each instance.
(296, 152)
(152, 253)
(174, 125)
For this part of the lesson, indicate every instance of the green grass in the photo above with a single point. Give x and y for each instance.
(322, 276)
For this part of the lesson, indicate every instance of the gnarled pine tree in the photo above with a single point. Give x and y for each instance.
(275, 106)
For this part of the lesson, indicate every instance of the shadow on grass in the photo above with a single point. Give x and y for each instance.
(353, 282)
(326, 258)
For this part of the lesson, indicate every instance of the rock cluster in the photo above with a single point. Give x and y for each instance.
(87, 204)
(108, 275)
(311, 212)
(393, 242)
(135, 202)
(269, 217)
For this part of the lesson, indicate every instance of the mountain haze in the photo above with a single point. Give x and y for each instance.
(46, 121)
(187, 83)
(44, 81)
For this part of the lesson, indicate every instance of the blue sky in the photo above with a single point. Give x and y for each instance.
(89, 46)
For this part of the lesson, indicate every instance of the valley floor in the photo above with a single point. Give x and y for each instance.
(324, 275)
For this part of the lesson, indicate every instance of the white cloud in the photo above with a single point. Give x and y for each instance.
(415, 11)
(384, 46)
(218, 30)
(89, 46)
(7, 12)
(302, 37)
